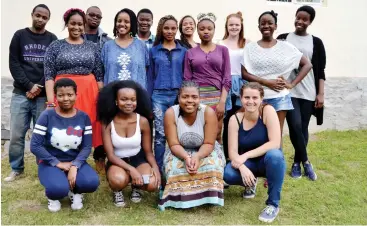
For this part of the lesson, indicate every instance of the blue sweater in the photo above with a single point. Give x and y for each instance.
(57, 139)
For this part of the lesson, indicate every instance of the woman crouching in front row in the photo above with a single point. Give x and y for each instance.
(254, 149)
(122, 109)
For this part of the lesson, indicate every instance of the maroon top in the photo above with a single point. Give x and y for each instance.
(213, 68)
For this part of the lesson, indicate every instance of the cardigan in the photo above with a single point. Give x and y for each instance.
(318, 62)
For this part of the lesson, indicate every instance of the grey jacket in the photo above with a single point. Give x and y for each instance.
(102, 38)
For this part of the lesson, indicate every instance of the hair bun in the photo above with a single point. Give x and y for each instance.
(239, 13)
(274, 13)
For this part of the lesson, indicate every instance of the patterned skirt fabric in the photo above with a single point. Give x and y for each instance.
(210, 96)
(183, 190)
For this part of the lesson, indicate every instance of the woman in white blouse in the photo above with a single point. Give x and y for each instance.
(270, 62)
(235, 41)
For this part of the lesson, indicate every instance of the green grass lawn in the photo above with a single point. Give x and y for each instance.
(339, 196)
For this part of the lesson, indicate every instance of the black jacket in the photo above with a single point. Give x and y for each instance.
(318, 65)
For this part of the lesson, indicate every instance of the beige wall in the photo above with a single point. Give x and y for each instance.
(340, 24)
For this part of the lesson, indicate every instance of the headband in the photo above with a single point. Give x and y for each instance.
(208, 16)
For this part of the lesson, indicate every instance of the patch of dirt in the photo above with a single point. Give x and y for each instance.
(27, 205)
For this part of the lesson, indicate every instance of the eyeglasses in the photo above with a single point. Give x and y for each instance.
(94, 15)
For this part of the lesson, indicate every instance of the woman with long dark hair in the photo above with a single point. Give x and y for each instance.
(125, 57)
(79, 60)
(123, 109)
(165, 77)
(209, 65)
(308, 95)
(187, 27)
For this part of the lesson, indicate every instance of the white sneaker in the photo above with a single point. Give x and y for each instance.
(76, 201)
(54, 205)
(118, 199)
(12, 176)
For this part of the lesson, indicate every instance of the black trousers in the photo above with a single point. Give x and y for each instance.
(298, 121)
(229, 113)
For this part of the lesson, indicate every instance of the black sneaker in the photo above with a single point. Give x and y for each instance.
(296, 171)
(118, 199)
(249, 192)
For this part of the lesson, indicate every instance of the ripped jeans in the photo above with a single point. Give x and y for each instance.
(161, 101)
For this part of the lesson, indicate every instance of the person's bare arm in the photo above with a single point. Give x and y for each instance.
(306, 66)
(272, 124)
(274, 84)
(210, 133)
(170, 129)
(233, 138)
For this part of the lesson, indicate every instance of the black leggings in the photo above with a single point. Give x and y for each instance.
(298, 121)
(229, 113)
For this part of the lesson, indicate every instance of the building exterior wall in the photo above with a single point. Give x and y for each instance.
(338, 24)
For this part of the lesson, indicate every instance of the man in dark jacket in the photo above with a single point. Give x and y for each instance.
(26, 53)
(92, 30)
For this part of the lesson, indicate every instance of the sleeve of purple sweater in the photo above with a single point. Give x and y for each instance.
(38, 141)
(227, 79)
(187, 67)
(86, 145)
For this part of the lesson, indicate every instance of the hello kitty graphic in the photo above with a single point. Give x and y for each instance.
(66, 139)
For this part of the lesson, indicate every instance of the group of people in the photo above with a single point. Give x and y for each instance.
(217, 109)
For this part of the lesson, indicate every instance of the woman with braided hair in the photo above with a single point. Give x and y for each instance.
(164, 77)
(209, 65)
(79, 60)
(187, 26)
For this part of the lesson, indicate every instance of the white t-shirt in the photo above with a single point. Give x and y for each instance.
(306, 88)
(235, 57)
(270, 63)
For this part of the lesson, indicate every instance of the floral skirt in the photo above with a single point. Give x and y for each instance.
(183, 190)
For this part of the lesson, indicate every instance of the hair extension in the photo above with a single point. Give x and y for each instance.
(183, 38)
(106, 103)
(272, 13)
(64, 82)
(159, 34)
(241, 39)
(133, 22)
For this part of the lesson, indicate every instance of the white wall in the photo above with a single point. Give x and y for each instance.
(340, 24)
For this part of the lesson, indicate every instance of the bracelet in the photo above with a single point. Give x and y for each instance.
(52, 104)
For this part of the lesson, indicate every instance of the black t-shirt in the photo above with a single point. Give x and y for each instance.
(92, 37)
(27, 50)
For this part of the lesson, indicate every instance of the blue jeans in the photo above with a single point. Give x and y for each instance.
(22, 111)
(56, 181)
(161, 101)
(271, 165)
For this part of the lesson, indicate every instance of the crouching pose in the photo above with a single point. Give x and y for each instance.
(62, 142)
(123, 109)
(254, 149)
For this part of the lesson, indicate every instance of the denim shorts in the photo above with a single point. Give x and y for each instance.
(280, 103)
(134, 161)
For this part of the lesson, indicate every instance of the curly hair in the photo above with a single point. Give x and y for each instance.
(271, 13)
(133, 22)
(159, 34)
(183, 38)
(241, 39)
(106, 102)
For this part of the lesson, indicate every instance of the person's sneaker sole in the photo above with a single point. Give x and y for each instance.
(135, 200)
(248, 196)
(54, 210)
(312, 179)
(294, 177)
(77, 207)
(120, 205)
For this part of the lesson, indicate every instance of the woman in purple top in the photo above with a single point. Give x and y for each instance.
(208, 64)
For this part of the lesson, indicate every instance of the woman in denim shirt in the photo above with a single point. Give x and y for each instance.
(164, 77)
(125, 57)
